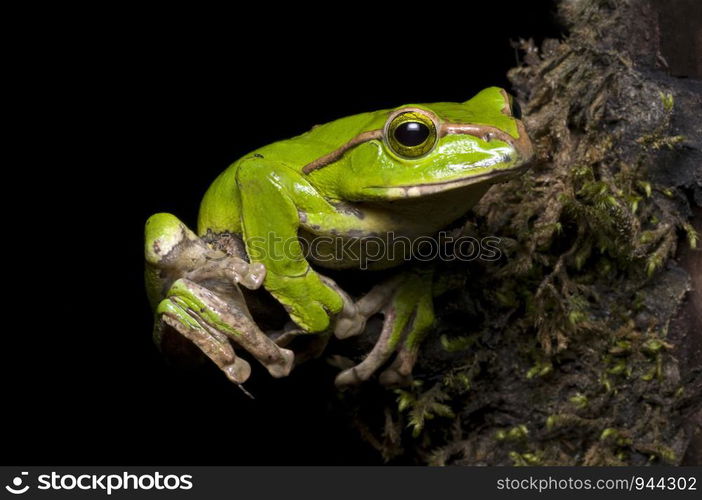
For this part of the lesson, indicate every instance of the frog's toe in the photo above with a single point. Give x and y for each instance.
(214, 321)
(399, 373)
(348, 378)
(254, 275)
(349, 326)
(394, 378)
(349, 321)
(281, 366)
(377, 357)
(238, 371)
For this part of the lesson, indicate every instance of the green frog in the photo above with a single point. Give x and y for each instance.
(289, 210)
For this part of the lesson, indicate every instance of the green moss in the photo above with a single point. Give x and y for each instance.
(667, 100)
(525, 459)
(540, 369)
(579, 400)
(422, 406)
(457, 343)
(654, 345)
(516, 433)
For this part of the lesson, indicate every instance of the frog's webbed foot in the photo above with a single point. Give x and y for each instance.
(211, 342)
(406, 303)
(211, 322)
(399, 373)
(202, 301)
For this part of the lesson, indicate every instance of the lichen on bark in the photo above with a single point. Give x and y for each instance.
(565, 351)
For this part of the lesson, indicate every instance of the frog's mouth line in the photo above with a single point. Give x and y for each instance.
(417, 190)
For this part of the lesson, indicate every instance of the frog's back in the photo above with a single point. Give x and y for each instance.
(298, 151)
(220, 210)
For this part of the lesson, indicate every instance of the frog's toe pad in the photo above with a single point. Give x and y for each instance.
(349, 327)
(393, 378)
(350, 321)
(348, 378)
(252, 275)
(238, 371)
(282, 367)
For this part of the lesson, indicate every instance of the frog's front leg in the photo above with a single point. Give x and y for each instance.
(274, 199)
(214, 344)
(194, 290)
(406, 303)
(349, 322)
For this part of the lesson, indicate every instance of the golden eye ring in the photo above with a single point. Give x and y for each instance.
(411, 133)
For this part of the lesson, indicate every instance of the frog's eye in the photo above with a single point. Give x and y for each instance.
(411, 134)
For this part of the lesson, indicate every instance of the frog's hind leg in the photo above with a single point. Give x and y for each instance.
(399, 373)
(382, 298)
(381, 352)
(211, 322)
(407, 306)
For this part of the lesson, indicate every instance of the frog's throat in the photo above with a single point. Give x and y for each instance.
(488, 133)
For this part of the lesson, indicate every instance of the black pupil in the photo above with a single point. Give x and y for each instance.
(411, 133)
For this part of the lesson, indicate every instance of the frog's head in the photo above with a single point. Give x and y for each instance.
(425, 149)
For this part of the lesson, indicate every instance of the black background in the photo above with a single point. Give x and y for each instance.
(140, 112)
